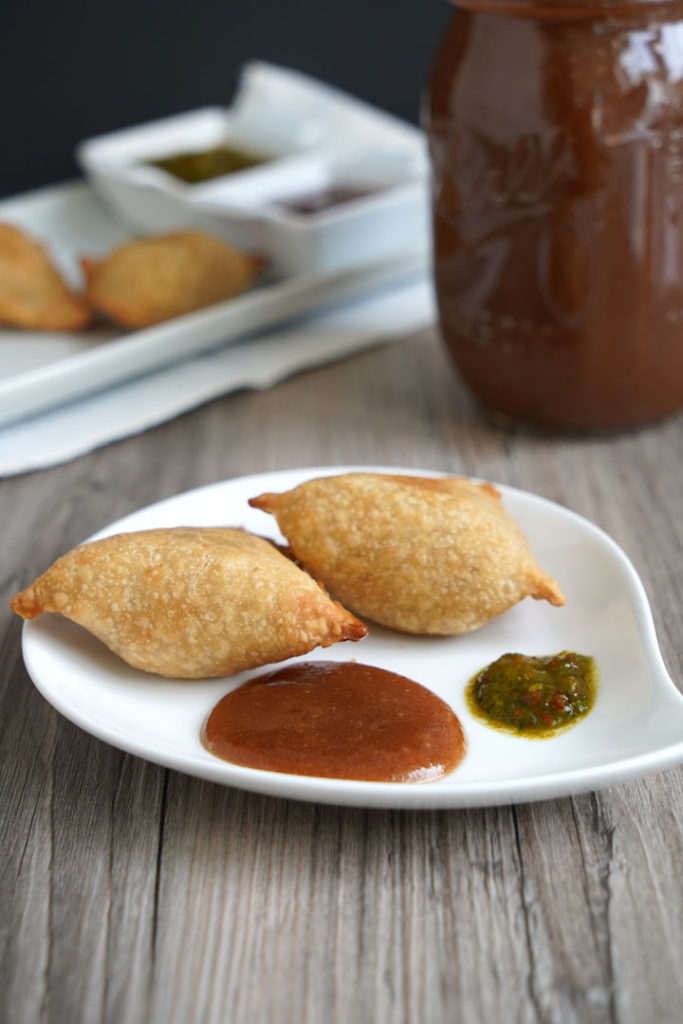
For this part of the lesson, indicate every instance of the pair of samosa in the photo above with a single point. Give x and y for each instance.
(420, 555)
(141, 283)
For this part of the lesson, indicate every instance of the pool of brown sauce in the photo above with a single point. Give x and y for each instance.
(340, 720)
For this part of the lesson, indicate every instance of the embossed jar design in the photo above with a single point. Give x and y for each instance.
(556, 141)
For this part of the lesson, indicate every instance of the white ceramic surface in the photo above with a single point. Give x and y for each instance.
(635, 727)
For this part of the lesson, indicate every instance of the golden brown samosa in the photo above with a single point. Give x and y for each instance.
(33, 294)
(150, 280)
(422, 555)
(190, 602)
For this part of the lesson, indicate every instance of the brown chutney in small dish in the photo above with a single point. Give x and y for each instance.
(339, 720)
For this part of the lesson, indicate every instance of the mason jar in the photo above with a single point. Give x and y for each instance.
(556, 139)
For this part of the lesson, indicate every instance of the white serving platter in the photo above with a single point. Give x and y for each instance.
(41, 370)
(636, 725)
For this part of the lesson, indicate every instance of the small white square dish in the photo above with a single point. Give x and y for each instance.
(311, 141)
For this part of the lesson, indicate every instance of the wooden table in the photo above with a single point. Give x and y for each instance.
(130, 893)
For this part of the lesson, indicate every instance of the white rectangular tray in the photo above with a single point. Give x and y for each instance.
(39, 370)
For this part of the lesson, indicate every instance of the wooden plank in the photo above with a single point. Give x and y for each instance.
(135, 895)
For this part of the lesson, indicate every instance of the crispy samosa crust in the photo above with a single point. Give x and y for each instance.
(422, 555)
(191, 602)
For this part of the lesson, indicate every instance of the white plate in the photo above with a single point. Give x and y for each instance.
(635, 727)
(39, 370)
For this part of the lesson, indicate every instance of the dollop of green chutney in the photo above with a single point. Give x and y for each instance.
(534, 696)
(209, 163)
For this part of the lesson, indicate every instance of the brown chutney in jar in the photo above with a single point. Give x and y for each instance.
(556, 140)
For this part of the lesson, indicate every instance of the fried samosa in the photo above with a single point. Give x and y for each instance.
(150, 280)
(191, 602)
(417, 554)
(32, 293)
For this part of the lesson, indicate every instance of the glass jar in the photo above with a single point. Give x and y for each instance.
(556, 141)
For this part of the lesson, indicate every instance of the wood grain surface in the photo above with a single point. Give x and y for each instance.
(132, 894)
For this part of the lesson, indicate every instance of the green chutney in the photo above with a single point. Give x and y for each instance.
(193, 168)
(530, 696)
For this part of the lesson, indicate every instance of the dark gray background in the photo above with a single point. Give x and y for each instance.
(70, 69)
